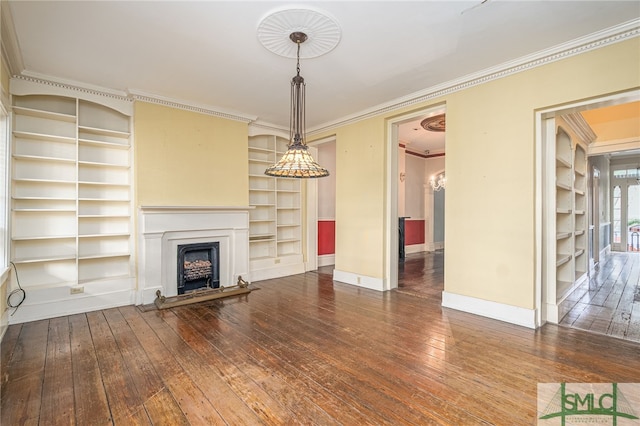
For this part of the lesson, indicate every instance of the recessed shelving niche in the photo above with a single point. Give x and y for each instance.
(275, 230)
(71, 191)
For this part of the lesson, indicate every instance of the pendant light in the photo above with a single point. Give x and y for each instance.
(297, 161)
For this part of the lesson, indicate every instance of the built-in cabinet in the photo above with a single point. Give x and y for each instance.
(275, 218)
(71, 191)
(571, 251)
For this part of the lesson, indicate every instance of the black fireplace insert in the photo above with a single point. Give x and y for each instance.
(198, 266)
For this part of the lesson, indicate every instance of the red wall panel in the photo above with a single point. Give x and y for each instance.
(413, 232)
(326, 237)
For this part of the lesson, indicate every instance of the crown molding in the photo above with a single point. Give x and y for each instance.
(72, 85)
(574, 47)
(139, 95)
(23, 85)
(580, 127)
(10, 47)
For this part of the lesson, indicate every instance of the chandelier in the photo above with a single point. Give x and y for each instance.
(297, 161)
(438, 182)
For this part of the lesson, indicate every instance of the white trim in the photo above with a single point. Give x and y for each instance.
(433, 246)
(139, 95)
(311, 225)
(4, 276)
(578, 46)
(278, 270)
(359, 280)
(4, 317)
(162, 228)
(43, 303)
(415, 248)
(616, 145)
(27, 85)
(391, 237)
(580, 127)
(326, 260)
(486, 308)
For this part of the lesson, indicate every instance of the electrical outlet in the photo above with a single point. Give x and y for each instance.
(77, 289)
(277, 261)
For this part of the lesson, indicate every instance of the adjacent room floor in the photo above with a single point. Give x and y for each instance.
(611, 306)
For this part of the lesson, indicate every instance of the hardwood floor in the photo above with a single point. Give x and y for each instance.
(422, 275)
(611, 306)
(298, 350)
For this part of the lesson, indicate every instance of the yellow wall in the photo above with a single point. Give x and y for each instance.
(185, 158)
(360, 159)
(490, 163)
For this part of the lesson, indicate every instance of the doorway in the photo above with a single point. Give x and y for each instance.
(625, 207)
(610, 216)
(418, 141)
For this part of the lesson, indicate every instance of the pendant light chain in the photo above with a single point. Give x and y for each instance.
(297, 162)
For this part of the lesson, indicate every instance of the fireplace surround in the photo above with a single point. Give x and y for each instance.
(163, 229)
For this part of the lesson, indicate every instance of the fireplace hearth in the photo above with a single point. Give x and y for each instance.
(198, 266)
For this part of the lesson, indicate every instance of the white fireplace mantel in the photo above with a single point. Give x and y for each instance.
(162, 228)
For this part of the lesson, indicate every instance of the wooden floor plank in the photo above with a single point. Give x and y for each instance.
(229, 405)
(607, 307)
(370, 368)
(141, 370)
(274, 384)
(162, 409)
(22, 395)
(191, 400)
(120, 388)
(90, 397)
(57, 407)
(9, 342)
(262, 404)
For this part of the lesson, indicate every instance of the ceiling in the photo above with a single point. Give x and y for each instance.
(207, 53)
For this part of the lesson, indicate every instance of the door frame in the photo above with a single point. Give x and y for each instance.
(391, 255)
(624, 184)
(311, 206)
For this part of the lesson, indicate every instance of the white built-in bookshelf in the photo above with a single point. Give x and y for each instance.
(571, 248)
(275, 227)
(70, 190)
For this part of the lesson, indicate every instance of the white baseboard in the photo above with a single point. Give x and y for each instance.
(486, 308)
(433, 246)
(276, 272)
(326, 260)
(4, 316)
(415, 248)
(359, 280)
(44, 303)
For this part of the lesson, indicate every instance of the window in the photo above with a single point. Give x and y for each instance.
(627, 174)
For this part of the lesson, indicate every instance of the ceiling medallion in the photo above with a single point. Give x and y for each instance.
(323, 32)
(434, 124)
